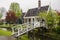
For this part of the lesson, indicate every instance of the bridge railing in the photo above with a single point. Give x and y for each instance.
(21, 27)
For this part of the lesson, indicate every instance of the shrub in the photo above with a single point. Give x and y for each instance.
(56, 29)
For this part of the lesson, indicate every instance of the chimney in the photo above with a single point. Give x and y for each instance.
(39, 4)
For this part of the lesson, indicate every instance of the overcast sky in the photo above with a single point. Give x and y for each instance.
(27, 4)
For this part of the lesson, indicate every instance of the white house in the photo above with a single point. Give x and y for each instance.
(32, 14)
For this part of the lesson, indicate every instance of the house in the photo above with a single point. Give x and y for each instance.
(32, 14)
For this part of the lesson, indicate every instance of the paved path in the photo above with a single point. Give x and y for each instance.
(6, 38)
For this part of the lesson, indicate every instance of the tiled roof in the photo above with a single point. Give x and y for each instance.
(35, 11)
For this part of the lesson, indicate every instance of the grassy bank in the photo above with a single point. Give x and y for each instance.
(5, 33)
(23, 37)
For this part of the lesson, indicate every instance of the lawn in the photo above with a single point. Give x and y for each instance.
(24, 37)
(5, 33)
(6, 25)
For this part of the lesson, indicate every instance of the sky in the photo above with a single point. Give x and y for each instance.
(27, 4)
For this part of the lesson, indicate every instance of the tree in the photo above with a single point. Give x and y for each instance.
(11, 17)
(16, 8)
(49, 17)
(0, 18)
(2, 9)
(59, 21)
(0, 15)
(42, 15)
(57, 25)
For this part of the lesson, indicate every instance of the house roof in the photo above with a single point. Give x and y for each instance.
(35, 11)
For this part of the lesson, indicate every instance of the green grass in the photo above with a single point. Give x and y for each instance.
(5, 33)
(24, 37)
(6, 25)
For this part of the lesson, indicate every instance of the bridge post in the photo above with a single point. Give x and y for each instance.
(18, 31)
(21, 27)
(12, 30)
(27, 27)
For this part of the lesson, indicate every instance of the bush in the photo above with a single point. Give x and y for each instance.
(56, 29)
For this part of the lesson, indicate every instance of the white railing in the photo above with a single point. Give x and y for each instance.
(22, 28)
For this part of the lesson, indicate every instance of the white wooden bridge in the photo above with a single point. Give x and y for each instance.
(24, 28)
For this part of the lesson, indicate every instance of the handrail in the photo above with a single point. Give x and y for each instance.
(23, 28)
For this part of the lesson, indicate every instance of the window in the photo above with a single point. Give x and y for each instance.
(29, 20)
